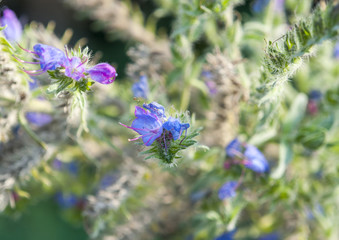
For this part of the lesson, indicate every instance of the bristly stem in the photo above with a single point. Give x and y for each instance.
(284, 56)
(25, 126)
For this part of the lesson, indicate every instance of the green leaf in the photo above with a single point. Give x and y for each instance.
(285, 157)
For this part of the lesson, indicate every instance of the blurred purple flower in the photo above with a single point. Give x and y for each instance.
(73, 167)
(212, 87)
(196, 196)
(38, 119)
(156, 109)
(227, 190)
(66, 200)
(140, 89)
(315, 95)
(176, 128)
(259, 5)
(108, 179)
(13, 31)
(233, 148)
(147, 125)
(336, 51)
(226, 235)
(270, 236)
(75, 69)
(255, 160)
(33, 84)
(57, 164)
(102, 73)
(279, 5)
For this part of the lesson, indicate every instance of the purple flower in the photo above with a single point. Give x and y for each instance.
(255, 160)
(147, 125)
(140, 89)
(228, 190)
(33, 85)
(175, 127)
(73, 167)
(196, 196)
(315, 95)
(66, 200)
(108, 179)
(270, 236)
(75, 69)
(212, 87)
(259, 5)
(233, 148)
(103, 73)
(57, 164)
(13, 31)
(50, 58)
(38, 119)
(156, 109)
(226, 235)
(279, 5)
(336, 51)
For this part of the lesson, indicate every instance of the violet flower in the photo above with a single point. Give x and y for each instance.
(156, 109)
(75, 69)
(233, 148)
(147, 125)
(103, 73)
(259, 5)
(140, 89)
(13, 31)
(336, 50)
(255, 160)
(38, 119)
(50, 58)
(226, 235)
(176, 128)
(270, 236)
(227, 190)
(66, 200)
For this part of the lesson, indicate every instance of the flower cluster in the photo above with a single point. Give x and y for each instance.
(152, 123)
(247, 155)
(244, 154)
(153, 126)
(74, 67)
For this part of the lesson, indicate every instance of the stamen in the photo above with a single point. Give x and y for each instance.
(184, 137)
(26, 49)
(140, 129)
(133, 139)
(22, 61)
(34, 72)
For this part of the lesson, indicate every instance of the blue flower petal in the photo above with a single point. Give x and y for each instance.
(103, 73)
(175, 127)
(227, 190)
(255, 160)
(38, 119)
(13, 31)
(140, 89)
(226, 235)
(233, 148)
(50, 58)
(156, 109)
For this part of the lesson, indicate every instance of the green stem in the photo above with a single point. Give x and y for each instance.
(29, 131)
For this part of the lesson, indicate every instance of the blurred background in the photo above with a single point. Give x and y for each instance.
(43, 219)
